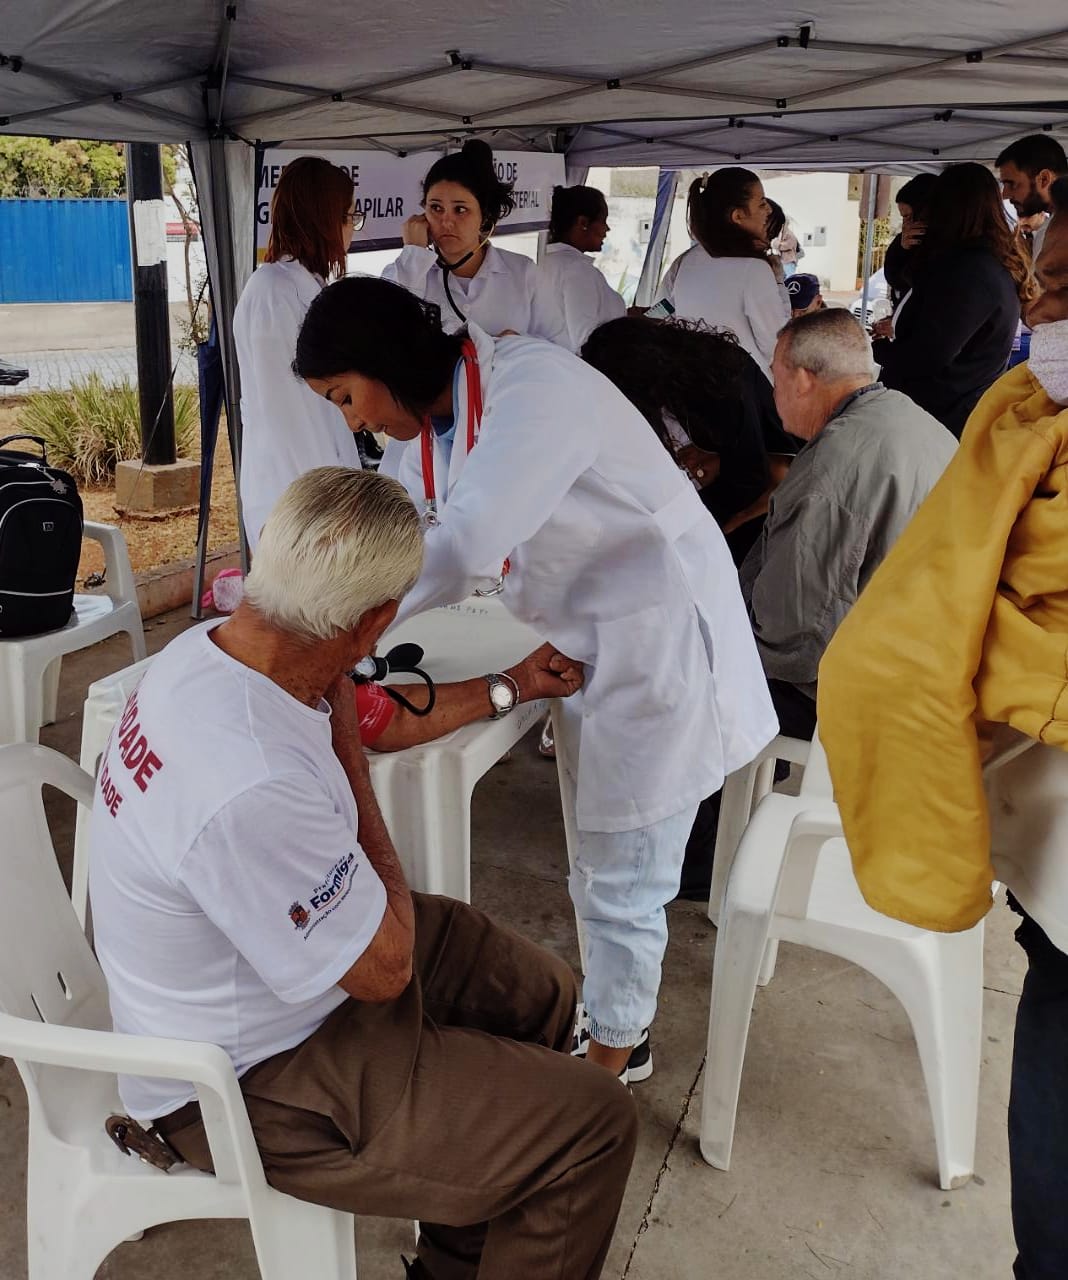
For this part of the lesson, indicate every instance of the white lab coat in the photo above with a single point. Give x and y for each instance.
(288, 429)
(740, 294)
(507, 292)
(615, 560)
(588, 300)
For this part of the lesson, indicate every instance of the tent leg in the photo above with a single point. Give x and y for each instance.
(666, 183)
(869, 245)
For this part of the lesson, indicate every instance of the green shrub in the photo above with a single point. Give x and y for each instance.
(92, 426)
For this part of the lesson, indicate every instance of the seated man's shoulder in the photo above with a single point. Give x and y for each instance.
(904, 423)
(201, 729)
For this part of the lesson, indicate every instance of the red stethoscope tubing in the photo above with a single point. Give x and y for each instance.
(474, 422)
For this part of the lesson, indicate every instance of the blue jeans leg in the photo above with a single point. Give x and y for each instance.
(620, 885)
(1038, 1111)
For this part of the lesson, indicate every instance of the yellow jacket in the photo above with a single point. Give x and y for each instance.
(965, 623)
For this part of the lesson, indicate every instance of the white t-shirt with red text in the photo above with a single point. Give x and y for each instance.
(229, 891)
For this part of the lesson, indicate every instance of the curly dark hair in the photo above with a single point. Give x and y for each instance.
(670, 366)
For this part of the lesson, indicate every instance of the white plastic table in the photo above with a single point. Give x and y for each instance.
(424, 792)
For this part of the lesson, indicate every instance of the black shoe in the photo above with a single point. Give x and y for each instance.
(640, 1063)
(698, 891)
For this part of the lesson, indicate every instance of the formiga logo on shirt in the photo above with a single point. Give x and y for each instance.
(326, 897)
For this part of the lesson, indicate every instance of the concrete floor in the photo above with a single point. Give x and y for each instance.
(834, 1166)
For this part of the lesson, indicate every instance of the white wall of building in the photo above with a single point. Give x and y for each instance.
(826, 222)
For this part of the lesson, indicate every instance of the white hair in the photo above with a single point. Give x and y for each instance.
(337, 543)
(830, 344)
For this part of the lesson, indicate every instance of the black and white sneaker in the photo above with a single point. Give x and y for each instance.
(640, 1065)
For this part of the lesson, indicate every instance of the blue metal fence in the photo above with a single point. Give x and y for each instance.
(64, 251)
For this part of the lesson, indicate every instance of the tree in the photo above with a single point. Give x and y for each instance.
(44, 168)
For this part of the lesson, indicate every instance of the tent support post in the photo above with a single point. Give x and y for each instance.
(224, 299)
(666, 182)
(869, 244)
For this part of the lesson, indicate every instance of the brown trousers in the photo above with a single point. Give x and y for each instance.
(457, 1104)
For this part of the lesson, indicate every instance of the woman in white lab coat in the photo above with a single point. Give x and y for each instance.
(578, 225)
(287, 429)
(725, 278)
(536, 472)
(448, 259)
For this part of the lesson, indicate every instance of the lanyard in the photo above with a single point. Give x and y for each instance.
(469, 359)
(474, 422)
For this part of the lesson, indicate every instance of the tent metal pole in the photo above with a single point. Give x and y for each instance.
(819, 45)
(667, 182)
(869, 244)
(224, 297)
(347, 95)
(968, 57)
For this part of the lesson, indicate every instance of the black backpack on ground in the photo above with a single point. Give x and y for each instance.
(40, 541)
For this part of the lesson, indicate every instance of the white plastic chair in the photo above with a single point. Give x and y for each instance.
(30, 666)
(792, 880)
(84, 1196)
(742, 792)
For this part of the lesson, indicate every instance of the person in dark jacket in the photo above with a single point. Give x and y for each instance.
(901, 251)
(954, 334)
(711, 407)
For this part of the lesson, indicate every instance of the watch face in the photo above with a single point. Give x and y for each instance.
(502, 697)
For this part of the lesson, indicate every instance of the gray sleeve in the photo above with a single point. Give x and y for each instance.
(808, 582)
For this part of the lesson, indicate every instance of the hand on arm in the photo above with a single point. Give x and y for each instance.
(699, 464)
(546, 673)
(385, 968)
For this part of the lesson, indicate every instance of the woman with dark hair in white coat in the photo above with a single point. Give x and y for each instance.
(578, 225)
(287, 429)
(537, 474)
(448, 258)
(725, 278)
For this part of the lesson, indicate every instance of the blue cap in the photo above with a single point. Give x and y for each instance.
(803, 290)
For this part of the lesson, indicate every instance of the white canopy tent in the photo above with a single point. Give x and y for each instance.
(835, 85)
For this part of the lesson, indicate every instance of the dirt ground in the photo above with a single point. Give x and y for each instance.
(152, 543)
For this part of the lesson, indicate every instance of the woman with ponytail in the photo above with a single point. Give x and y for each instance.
(448, 259)
(725, 279)
(578, 225)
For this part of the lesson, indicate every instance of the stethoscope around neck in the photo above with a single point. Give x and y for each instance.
(447, 268)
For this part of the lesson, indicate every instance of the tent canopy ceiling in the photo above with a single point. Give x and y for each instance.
(835, 84)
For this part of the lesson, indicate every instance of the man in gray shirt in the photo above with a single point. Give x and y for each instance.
(871, 458)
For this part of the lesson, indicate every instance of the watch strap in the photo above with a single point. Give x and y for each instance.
(496, 678)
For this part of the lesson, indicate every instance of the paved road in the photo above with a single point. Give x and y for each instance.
(52, 370)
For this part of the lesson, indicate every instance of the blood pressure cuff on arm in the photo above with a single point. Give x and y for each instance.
(375, 709)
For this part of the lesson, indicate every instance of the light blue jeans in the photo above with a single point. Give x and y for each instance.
(620, 885)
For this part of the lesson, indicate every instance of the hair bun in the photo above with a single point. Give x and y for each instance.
(479, 153)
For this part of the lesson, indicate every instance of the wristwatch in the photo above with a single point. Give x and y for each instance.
(503, 695)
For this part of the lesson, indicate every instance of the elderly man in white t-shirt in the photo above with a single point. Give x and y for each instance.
(400, 1055)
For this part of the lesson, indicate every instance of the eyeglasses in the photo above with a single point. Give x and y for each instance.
(355, 218)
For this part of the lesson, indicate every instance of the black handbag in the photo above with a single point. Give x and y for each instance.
(40, 541)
